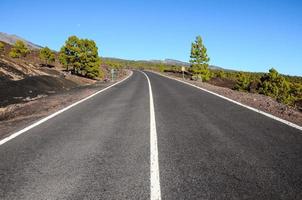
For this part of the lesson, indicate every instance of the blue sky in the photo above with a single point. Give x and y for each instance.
(243, 35)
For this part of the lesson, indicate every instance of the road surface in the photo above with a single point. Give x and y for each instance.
(207, 148)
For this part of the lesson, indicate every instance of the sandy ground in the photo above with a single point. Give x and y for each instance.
(17, 116)
(258, 101)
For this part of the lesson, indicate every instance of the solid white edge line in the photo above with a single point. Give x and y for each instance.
(12, 136)
(235, 102)
(155, 193)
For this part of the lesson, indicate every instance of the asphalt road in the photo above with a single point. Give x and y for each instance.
(208, 148)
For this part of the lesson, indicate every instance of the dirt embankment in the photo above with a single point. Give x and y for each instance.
(29, 88)
(258, 101)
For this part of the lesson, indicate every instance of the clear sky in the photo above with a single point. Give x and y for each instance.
(250, 35)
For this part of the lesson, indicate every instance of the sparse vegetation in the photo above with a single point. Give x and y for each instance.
(47, 55)
(81, 57)
(285, 89)
(199, 60)
(19, 50)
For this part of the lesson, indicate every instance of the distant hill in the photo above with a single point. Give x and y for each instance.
(176, 62)
(11, 39)
(170, 62)
(218, 68)
(165, 61)
(181, 63)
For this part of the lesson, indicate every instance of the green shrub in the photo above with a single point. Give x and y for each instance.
(14, 54)
(296, 93)
(161, 68)
(274, 85)
(243, 82)
(220, 74)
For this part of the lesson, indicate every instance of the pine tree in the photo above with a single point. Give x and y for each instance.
(69, 54)
(199, 60)
(82, 56)
(90, 61)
